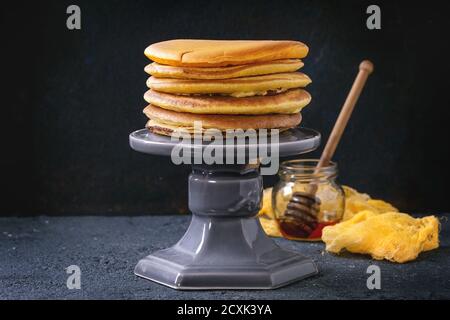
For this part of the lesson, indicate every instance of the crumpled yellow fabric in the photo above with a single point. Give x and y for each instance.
(266, 208)
(267, 215)
(394, 236)
(270, 227)
(356, 202)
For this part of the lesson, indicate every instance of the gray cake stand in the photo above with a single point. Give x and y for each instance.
(225, 246)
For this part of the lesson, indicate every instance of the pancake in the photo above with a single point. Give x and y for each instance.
(219, 53)
(291, 101)
(168, 130)
(239, 87)
(172, 120)
(255, 69)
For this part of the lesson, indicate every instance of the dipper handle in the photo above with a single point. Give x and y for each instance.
(365, 69)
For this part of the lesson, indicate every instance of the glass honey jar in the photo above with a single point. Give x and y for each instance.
(307, 199)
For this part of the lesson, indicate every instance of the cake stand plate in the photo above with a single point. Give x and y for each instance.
(225, 246)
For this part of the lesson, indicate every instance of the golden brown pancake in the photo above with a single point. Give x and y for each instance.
(239, 87)
(291, 101)
(168, 130)
(219, 53)
(172, 120)
(255, 69)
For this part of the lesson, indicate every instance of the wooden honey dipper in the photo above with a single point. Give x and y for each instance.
(305, 206)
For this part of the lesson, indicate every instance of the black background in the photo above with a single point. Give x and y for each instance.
(70, 98)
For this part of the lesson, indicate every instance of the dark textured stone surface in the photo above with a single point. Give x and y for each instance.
(34, 253)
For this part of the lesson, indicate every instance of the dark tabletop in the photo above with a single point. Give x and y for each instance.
(35, 252)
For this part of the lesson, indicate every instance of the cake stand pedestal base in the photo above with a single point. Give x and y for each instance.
(237, 255)
(225, 246)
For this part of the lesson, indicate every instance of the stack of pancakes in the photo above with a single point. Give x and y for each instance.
(225, 85)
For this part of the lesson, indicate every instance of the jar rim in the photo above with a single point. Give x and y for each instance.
(305, 163)
(308, 167)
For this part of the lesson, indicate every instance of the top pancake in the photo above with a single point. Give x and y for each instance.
(254, 69)
(219, 53)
